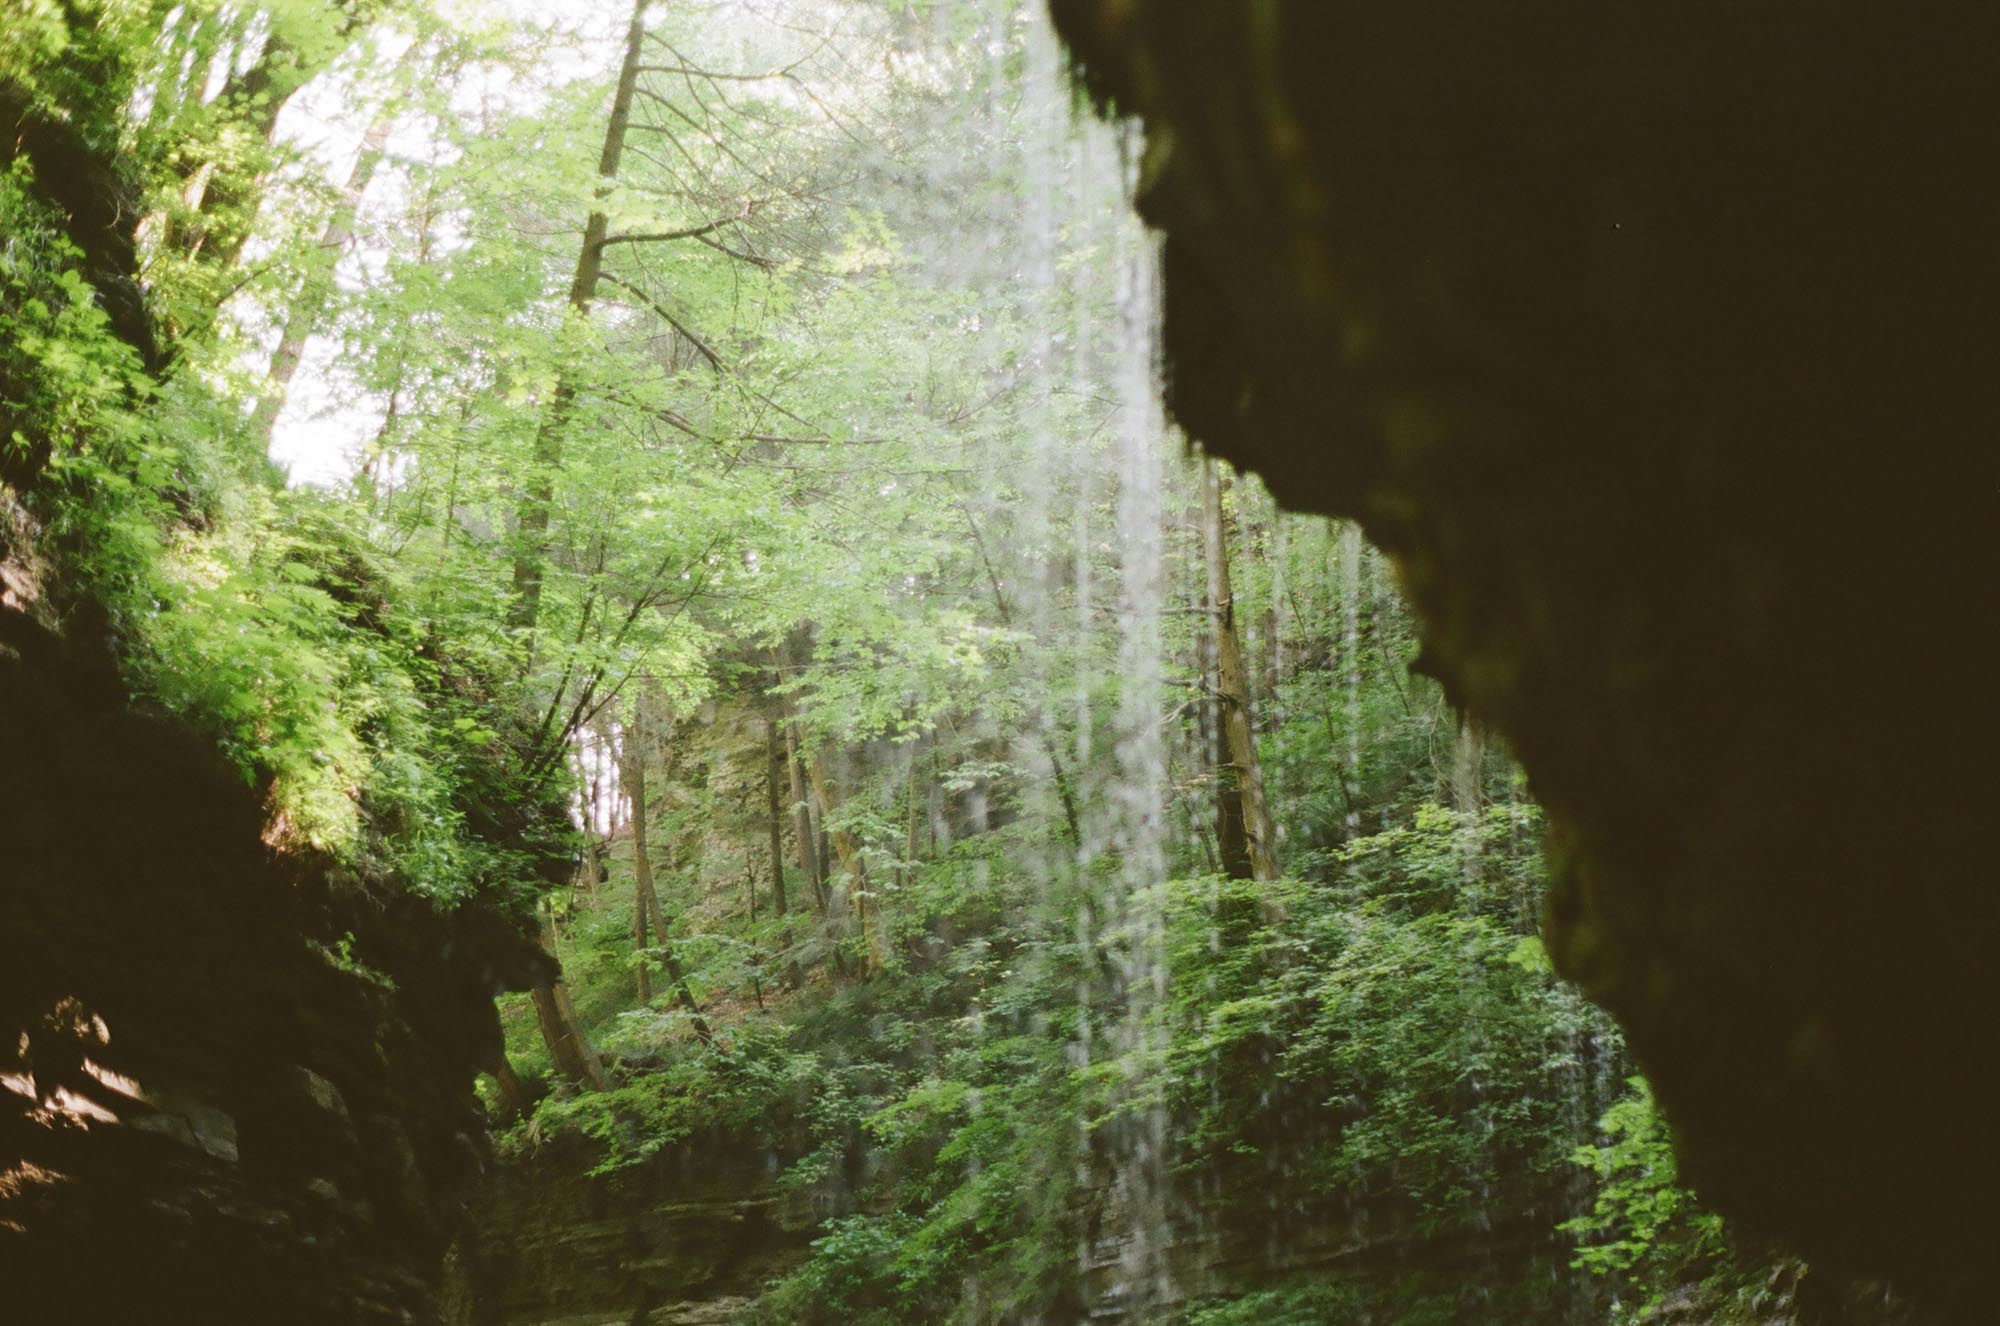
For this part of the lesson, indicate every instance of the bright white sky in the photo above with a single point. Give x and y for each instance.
(319, 434)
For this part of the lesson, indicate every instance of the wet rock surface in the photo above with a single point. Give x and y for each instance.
(1654, 346)
(687, 1239)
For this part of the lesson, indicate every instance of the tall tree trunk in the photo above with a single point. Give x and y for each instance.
(844, 845)
(810, 857)
(775, 756)
(532, 516)
(639, 946)
(1232, 687)
(593, 864)
(814, 851)
(513, 1096)
(1270, 664)
(633, 774)
(1208, 748)
(1468, 767)
(909, 871)
(1232, 834)
(647, 899)
(570, 1049)
(1065, 791)
(848, 850)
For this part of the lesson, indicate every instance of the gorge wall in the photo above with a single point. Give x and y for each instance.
(235, 1083)
(696, 1234)
(1654, 346)
(688, 1238)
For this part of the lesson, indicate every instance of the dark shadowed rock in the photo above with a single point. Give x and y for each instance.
(207, 1113)
(1656, 344)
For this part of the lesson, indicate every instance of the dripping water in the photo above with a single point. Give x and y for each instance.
(1081, 583)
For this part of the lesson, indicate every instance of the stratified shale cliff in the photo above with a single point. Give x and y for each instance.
(1657, 345)
(235, 1084)
(688, 1238)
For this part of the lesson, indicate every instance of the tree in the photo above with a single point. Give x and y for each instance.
(532, 517)
(569, 1045)
(774, 762)
(1241, 784)
(646, 897)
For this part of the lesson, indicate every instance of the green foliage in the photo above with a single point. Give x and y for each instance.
(1304, 1305)
(851, 1277)
(1643, 1231)
(749, 1089)
(267, 619)
(1374, 1035)
(68, 382)
(1461, 1058)
(1414, 1296)
(277, 630)
(978, 1156)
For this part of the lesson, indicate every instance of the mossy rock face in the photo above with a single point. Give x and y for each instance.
(1657, 346)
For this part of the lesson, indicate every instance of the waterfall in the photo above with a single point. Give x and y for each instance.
(1138, 819)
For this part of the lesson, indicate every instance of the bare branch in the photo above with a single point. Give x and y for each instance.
(692, 232)
(701, 346)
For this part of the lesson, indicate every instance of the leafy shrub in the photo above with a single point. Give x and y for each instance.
(1311, 1304)
(1644, 1231)
(850, 1280)
(755, 1089)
